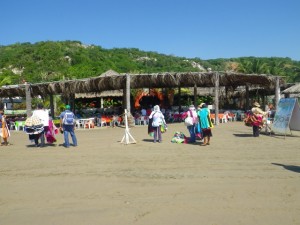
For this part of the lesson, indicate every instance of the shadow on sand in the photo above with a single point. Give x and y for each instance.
(148, 140)
(295, 169)
(243, 135)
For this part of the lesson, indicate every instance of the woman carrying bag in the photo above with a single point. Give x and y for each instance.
(157, 120)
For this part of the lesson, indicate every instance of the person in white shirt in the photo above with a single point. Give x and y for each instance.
(158, 120)
(43, 114)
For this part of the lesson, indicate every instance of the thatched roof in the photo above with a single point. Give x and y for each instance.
(295, 89)
(113, 93)
(154, 80)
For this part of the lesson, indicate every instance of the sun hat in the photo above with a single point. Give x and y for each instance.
(201, 105)
(68, 107)
(256, 104)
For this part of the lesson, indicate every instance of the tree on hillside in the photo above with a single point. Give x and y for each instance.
(253, 65)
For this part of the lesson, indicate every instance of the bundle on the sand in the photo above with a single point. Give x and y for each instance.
(33, 125)
(179, 138)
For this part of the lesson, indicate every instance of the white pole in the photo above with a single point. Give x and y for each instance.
(127, 135)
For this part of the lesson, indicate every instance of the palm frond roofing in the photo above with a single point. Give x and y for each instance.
(295, 89)
(111, 81)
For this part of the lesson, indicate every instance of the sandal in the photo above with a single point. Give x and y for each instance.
(5, 144)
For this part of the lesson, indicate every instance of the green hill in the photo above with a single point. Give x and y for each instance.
(52, 61)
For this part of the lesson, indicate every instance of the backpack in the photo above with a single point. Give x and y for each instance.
(69, 118)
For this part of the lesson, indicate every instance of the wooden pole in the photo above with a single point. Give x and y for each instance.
(246, 107)
(217, 83)
(277, 92)
(28, 99)
(179, 99)
(195, 96)
(51, 106)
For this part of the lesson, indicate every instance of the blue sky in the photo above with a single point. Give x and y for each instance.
(207, 29)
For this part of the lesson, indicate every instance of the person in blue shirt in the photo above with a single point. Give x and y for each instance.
(67, 125)
(205, 123)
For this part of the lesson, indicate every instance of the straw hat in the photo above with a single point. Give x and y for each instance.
(202, 104)
(256, 104)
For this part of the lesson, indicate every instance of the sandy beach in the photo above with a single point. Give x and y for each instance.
(237, 180)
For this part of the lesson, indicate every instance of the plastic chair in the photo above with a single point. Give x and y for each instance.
(143, 120)
(79, 123)
(103, 122)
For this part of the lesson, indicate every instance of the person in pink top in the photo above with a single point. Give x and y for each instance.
(191, 128)
(259, 114)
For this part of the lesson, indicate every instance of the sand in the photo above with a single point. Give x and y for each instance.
(238, 179)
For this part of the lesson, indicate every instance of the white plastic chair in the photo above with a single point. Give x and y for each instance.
(79, 123)
(143, 119)
(103, 122)
(224, 119)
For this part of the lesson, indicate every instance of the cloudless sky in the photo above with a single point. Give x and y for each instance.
(207, 29)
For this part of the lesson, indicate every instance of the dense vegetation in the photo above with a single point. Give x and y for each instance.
(53, 61)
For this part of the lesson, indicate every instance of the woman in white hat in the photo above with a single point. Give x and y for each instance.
(158, 120)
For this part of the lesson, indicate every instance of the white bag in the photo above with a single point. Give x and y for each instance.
(156, 123)
(188, 121)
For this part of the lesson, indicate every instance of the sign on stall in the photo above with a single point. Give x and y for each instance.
(287, 116)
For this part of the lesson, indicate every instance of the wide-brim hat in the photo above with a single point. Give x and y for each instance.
(201, 105)
(256, 104)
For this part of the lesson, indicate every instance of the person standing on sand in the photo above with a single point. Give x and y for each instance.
(4, 131)
(157, 120)
(258, 122)
(67, 125)
(43, 115)
(205, 123)
(191, 127)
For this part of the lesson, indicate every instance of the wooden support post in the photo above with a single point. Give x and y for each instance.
(217, 83)
(195, 96)
(246, 107)
(28, 99)
(277, 92)
(179, 99)
(51, 106)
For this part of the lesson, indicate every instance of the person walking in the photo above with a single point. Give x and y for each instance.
(205, 123)
(158, 120)
(43, 115)
(191, 119)
(67, 125)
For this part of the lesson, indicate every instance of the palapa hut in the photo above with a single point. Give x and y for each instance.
(111, 81)
(293, 90)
